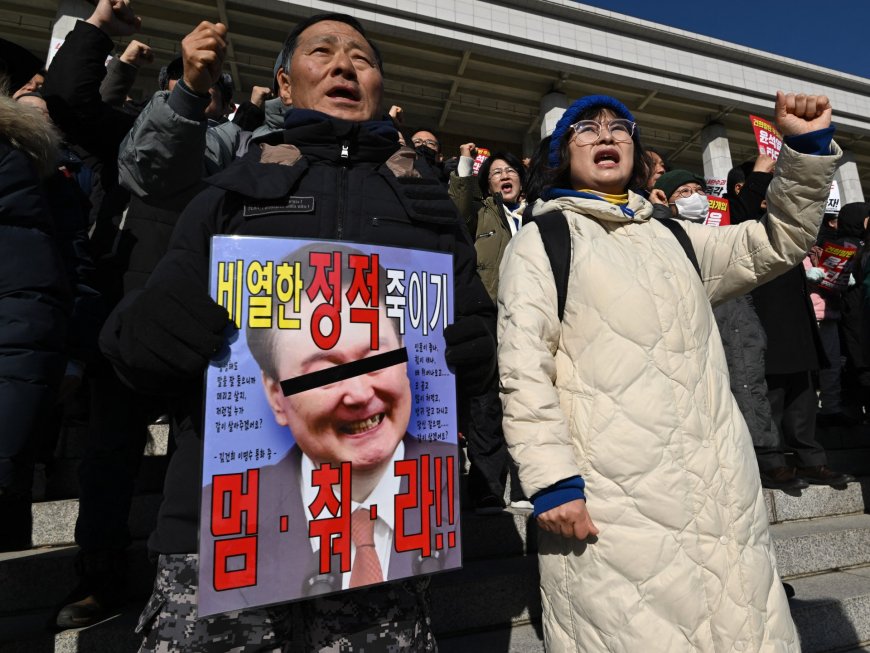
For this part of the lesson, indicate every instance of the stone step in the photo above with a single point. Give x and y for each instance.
(823, 544)
(54, 521)
(832, 611)
(30, 633)
(498, 592)
(815, 501)
(42, 578)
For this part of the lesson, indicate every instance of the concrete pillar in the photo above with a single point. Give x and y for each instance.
(68, 12)
(716, 153)
(553, 105)
(847, 179)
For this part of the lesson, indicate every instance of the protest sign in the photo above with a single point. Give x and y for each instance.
(833, 205)
(720, 212)
(834, 259)
(716, 187)
(481, 156)
(767, 137)
(330, 456)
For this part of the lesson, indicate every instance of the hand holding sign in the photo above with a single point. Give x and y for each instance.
(798, 114)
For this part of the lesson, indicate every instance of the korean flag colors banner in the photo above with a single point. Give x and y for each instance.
(330, 457)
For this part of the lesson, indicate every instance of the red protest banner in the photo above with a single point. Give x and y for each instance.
(482, 155)
(716, 187)
(767, 137)
(720, 212)
(834, 259)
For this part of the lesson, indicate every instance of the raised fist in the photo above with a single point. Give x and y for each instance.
(115, 18)
(137, 54)
(259, 95)
(798, 113)
(203, 52)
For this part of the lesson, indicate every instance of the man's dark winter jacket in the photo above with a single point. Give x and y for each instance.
(783, 305)
(745, 345)
(337, 180)
(95, 129)
(34, 294)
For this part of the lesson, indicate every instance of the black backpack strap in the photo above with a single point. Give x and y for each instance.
(684, 240)
(557, 243)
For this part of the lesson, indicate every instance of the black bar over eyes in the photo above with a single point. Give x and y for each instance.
(338, 373)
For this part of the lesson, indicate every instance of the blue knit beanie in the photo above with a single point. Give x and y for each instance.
(572, 114)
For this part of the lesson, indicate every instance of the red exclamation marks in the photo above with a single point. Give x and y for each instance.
(439, 538)
(451, 536)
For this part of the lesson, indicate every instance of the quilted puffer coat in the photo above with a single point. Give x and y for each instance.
(631, 392)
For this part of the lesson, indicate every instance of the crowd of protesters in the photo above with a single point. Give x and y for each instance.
(608, 345)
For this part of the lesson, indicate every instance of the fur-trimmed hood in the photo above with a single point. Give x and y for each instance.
(28, 132)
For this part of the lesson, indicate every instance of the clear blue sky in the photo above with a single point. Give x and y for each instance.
(834, 34)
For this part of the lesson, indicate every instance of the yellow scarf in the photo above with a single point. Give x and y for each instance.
(618, 200)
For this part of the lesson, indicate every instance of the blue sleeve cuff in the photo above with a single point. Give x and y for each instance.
(816, 142)
(564, 491)
(188, 103)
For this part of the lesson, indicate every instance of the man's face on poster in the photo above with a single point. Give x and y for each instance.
(361, 419)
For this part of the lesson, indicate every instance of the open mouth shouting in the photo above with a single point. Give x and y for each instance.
(344, 92)
(607, 157)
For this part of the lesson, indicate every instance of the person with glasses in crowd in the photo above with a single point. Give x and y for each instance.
(491, 204)
(653, 532)
(680, 194)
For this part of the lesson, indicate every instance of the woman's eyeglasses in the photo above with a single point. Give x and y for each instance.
(685, 192)
(589, 131)
(498, 172)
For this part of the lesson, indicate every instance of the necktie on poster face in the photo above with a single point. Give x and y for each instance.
(366, 567)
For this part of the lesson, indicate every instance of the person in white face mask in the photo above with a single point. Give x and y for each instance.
(683, 193)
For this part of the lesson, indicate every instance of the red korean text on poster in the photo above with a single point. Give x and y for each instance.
(834, 259)
(482, 155)
(767, 137)
(720, 212)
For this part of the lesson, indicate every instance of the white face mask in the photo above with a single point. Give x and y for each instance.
(694, 208)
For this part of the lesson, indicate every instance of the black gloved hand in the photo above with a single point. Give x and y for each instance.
(171, 330)
(471, 351)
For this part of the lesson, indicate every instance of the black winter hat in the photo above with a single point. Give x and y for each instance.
(173, 70)
(850, 221)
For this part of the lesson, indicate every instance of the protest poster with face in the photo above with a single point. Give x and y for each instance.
(330, 435)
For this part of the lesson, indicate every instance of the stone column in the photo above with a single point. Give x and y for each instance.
(716, 153)
(68, 12)
(848, 181)
(553, 105)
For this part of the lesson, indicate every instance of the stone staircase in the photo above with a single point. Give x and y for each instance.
(822, 540)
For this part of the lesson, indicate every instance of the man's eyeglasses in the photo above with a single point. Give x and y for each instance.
(589, 131)
(498, 172)
(686, 191)
(428, 143)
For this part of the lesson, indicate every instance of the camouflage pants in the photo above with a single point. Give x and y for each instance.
(385, 619)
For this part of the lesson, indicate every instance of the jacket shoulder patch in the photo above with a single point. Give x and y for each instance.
(292, 204)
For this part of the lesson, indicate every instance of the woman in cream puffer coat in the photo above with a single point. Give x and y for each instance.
(629, 396)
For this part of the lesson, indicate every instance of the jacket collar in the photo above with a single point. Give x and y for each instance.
(598, 209)
(275, 161)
